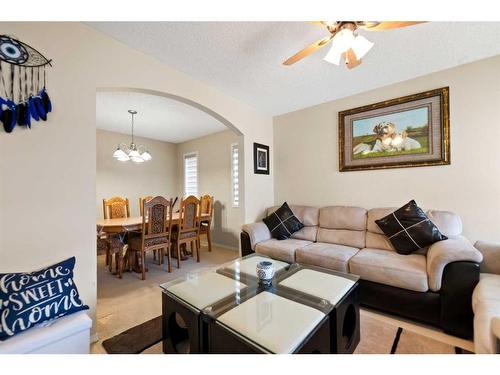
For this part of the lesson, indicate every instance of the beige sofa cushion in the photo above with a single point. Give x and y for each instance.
(331, 256)
(308, 216)
(447, 222)
(486, 306)
(391, 268)
(281, 250)
(375, 238)
(342, 225)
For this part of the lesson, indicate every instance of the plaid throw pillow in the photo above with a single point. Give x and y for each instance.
(409, 229)
(283, 223)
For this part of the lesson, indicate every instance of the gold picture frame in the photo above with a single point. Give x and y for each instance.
(410, 131)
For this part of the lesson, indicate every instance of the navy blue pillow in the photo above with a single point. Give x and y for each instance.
(27, 299)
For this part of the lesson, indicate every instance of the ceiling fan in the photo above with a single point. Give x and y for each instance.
(346, 43)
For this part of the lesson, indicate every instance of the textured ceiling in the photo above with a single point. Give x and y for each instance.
(243, 59)
(158, 117)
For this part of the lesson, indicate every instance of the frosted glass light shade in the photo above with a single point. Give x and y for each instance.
(341, 42)
(361, 46)
(137, 159)
(134, 154)
(146, 156)
(119, 154)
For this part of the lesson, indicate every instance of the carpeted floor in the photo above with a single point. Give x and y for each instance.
(130, 302)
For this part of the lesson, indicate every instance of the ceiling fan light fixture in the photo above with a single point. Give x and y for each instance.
(361, 46)
(341, 42)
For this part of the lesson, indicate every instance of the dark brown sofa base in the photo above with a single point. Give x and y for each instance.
(449, 309)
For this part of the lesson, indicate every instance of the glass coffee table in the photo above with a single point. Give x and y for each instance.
(306, 309)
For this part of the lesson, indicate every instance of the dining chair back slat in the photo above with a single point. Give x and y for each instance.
(141, 200)
(207, 208)
(115, 208)
(188, 230)
(156, 231)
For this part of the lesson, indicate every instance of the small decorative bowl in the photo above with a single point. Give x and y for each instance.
(265, 272)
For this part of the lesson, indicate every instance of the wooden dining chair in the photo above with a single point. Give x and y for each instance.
(142, 199)
(188, 230)
(156, 232)
(115, 208)
(206, 208)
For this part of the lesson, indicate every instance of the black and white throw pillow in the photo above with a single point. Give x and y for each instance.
(282, 223)
(27, 299)
(409, 229)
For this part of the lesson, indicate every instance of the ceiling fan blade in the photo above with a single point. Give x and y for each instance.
(387, 25)
(351, 59)
(308, 50)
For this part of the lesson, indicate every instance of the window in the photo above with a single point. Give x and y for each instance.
(235, 182)
(191, 174)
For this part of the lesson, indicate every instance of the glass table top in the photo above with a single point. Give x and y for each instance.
(274, 318)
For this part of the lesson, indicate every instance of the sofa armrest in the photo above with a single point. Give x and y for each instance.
(257, 232)
(491, 256)
(442, 253)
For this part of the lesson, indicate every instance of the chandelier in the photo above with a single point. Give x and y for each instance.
(138, 154)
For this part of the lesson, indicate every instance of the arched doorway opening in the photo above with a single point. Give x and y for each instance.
(181, 127)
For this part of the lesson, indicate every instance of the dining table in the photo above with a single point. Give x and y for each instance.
(121, 226)
(129, 224)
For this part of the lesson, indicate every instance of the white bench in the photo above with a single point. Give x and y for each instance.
(67, 335)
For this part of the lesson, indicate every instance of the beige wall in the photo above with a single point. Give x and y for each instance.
(48, 173)
(214, 178)
(306, 153)
(156, 177)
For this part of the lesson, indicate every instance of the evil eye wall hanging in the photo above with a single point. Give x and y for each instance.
(23, 79)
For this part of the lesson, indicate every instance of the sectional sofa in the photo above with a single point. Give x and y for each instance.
(433, 285)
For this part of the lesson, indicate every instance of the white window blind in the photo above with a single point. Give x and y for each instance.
(235, 182)
(191, 174)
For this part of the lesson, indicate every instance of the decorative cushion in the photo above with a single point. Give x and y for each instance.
(283, 223)
(409, 229)
(27, 299)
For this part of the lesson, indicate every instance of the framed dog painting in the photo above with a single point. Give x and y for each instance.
(411, 131)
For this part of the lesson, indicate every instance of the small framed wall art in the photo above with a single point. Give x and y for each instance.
(260, 158)
(411, 131)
